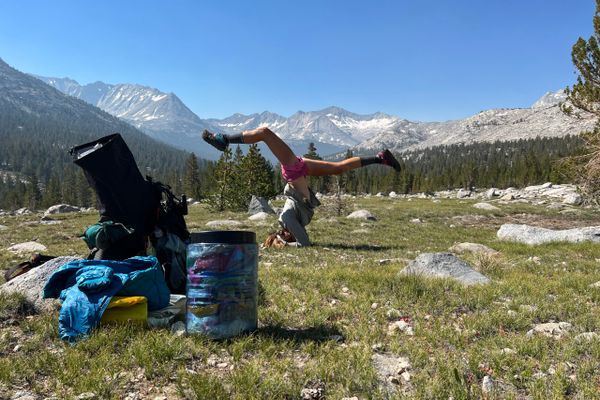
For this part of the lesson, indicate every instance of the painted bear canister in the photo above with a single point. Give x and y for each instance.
(222, 283)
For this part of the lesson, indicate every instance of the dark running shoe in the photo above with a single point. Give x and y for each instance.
(389, 159)
(216, 140)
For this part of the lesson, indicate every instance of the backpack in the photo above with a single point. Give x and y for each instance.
(133, 211)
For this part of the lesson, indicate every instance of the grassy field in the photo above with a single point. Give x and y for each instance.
(324, 313)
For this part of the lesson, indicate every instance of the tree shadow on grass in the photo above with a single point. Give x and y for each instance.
(362, 247)
(317, 334)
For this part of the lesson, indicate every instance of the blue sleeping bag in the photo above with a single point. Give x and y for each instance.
(87, 286)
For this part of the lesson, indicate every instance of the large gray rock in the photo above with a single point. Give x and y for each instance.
(362, 214)
(444, 265)
(61, 209)
(533, 235)
(32, 283)
(27, 248)
(259, 204)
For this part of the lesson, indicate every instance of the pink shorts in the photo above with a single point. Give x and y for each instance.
(296, 170)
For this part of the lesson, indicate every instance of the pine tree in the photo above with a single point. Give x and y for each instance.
(52, 194)
(256, 174)
(220, 199)
(191, 178)
(312, 152)
(585, 95)
(33, 195)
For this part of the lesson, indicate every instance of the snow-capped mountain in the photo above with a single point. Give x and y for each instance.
(162, 116)
(543, 119)
(165, 117)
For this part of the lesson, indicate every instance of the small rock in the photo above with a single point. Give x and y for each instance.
(406, 376)
(23, 395)
(17, 348)
(27, 248)
(377, 347)
(467, 247)
(573, 199)
(374, 306)
(315, 391)
(551, 329)
(595, 285)
(259, 216)
(416, 221)
(527, 308)
(222, 365)
(178, 328)
(392, 314)
(491, 193)
(223, 222)
(487, 385)
(486, 206)
(362, 214)
(507, 350)
(400, 326)
(462, 193)
(61, 209)
(345, 290)
(539, 375)
(587, 337)
(507, 197)
(393, 194)
(535, 259)
(86, 396)
(23, 211)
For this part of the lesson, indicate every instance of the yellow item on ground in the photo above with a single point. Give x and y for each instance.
(124, 309)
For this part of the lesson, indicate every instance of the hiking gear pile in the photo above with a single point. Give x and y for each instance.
(137, 216)
(86, 288)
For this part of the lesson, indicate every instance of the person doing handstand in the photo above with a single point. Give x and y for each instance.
(301, 200)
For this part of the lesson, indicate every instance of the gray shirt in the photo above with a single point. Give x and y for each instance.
(297, 213)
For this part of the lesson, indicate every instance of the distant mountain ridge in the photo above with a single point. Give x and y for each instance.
(333, 129)
(51, 122)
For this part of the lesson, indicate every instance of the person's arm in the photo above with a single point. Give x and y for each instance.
(290, 222)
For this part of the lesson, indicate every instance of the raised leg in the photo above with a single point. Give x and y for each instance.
(278, 147)
(321, 168)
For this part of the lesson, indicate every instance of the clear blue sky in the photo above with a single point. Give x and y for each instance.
(418, 59)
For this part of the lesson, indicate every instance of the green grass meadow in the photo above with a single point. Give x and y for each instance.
(324, 312)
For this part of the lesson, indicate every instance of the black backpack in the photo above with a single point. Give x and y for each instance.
(133, 210)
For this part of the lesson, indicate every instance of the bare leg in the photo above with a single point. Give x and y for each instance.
(280, 150)
(321, 168)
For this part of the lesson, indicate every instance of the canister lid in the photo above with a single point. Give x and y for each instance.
(227, 237)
